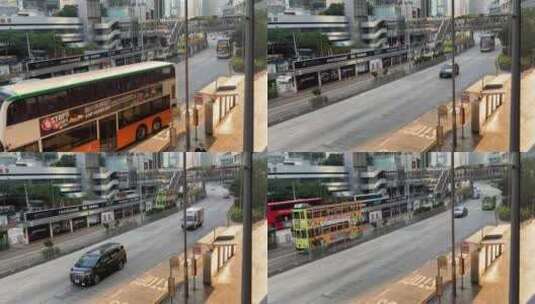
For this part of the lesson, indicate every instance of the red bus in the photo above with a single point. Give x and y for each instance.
(279, 214)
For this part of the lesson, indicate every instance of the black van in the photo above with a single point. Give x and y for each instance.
(98, 263)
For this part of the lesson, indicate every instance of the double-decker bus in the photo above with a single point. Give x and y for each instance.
(103, 110)
(279, 214)
(224, 48)
(321, 226)
(487, 43)
(165, 199)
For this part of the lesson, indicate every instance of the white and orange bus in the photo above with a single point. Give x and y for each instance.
(103, 110)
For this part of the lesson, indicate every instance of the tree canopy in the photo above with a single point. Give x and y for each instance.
(335, 9)
(68, 11)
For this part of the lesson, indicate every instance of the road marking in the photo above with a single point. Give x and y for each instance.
(151, 282)
(419, 281)
(419, 130)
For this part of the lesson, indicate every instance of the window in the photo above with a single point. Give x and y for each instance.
(71, 139)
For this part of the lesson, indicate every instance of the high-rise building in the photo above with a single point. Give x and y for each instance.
(89, 13)
(159, 9)
(356, 12)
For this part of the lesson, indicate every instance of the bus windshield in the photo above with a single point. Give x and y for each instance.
(224, 48)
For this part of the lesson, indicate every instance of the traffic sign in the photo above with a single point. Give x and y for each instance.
(465, 247)
(174, 262)
(171, 286)
(442, 261)
(465, 98)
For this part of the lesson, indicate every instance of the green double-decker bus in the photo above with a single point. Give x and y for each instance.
(488, 203)
(165, 199)
(321, 226)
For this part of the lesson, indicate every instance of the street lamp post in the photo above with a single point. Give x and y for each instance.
(453, 148)
(184, 208)
(514, 148)
(248, 148)
(186, 77)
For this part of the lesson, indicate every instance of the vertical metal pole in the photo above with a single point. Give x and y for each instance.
(453, 148)
(248, 148)
(453, 200)
(184, 208)
(453, 75)
(186, 71)
(514, 141)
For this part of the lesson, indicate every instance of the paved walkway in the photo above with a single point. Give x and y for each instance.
(228, 134)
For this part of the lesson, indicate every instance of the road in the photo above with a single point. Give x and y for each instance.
(146, 247)
(356, 120)
(204, 68)
(342, 277)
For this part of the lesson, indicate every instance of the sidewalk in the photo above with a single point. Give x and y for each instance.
(497, 130)
(228, 134)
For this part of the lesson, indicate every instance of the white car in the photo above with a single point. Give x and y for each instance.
(460, 211)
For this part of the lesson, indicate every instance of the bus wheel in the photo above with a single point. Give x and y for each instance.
(156, 125)
(141, 132)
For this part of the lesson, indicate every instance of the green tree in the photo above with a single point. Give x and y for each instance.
(335, 9)
(259, 191)
(527, 33)
(66, 160)
(68, 11)
(334, 159)
(281, 190)
(17, 43)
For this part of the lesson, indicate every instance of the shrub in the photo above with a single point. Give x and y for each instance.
(316, 92)
(504, 62)
(318, 101)
(48, 243)
(273, 92)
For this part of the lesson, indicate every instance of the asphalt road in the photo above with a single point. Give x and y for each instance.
(146, 247)
(342, 277)
(204, 68)
(356, 120)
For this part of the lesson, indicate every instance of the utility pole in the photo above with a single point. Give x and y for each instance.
(453, 200)
(453, 148)
(29, 47)
(514, 146)
(248, 148)
(184, 208)
(186, 71)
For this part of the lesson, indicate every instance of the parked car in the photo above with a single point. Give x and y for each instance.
(98, 263)
(446, 70)
(460, 211)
